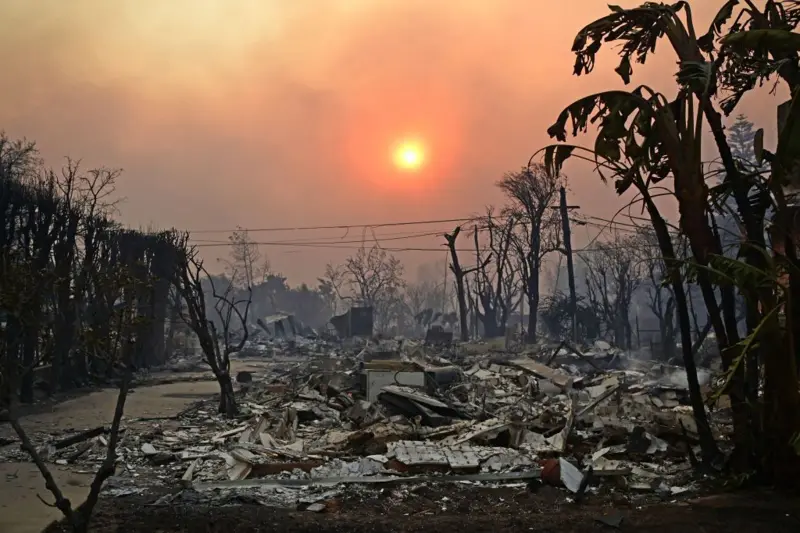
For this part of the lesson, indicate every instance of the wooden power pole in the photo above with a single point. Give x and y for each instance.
(573, 299)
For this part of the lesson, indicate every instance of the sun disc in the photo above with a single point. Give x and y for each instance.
(409, 155)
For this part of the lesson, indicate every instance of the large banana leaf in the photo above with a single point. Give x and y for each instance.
(639, 29)
(765, 41)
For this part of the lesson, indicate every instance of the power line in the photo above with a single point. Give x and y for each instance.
(334, 239)
(390, 224)
(604, 227)
(337, 242)
(315, 245)
(319, 245)
(338, 239)
(340, 226)
(615, 222)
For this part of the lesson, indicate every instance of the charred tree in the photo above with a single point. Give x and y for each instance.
(494, 280)
(532, 192)
(217, 345)
(460, 273)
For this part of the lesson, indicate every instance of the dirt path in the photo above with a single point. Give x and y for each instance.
(97, 408)
(20, 509)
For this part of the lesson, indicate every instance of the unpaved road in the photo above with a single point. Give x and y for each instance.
(20, 509)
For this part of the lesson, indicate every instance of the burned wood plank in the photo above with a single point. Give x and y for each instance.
(80, 437)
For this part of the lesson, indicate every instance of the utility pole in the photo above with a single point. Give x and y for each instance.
(444, 284)
(573, 299)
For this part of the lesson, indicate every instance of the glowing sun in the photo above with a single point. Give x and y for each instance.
(409, 155)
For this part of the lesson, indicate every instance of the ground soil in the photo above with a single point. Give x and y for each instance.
(447, 508)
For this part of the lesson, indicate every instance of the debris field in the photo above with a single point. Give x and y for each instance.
(319, 419)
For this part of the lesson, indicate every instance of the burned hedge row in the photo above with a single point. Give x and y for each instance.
(76, 289)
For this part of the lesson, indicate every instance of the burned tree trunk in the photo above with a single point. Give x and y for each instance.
(78, 518)
(488, 318)
(533, 305)
(532, 191)
(493, 288)
(227, 398)
(459, 273)
(216, 344)
(707, 443)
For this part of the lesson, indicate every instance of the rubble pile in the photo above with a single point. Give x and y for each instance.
(397, 411)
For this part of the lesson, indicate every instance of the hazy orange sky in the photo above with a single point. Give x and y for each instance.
(265, 113)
